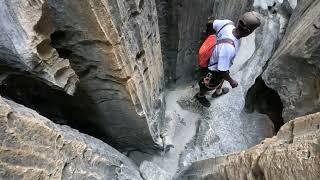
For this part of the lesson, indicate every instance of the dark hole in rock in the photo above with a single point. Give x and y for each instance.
(141, 4)
(53, 104)
(64, 53)
(140, 54)
(57, 37)
(264, 100)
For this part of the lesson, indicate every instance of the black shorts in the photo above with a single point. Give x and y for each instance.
(215, 78)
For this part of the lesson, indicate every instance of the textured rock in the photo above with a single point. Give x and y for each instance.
(294, 69)
(25, 44)
(32, 147)
(292, 154)
(181, 23)
(151, 171)
(114, 47)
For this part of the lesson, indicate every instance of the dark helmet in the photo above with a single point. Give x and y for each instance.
(250, 21)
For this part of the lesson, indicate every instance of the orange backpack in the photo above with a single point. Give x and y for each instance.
(206, 49)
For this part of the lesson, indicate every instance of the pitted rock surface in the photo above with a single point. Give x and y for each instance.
(114, 46)
(123, 53)
(292, 154)
(32, 147)
(294, 68)
(25, 40)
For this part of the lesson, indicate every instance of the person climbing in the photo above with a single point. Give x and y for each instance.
(228, 42)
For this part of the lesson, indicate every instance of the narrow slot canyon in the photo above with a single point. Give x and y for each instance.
(106, 90)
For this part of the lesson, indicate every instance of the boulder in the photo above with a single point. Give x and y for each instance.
(292, 154)
(32, 147)
(294, 69)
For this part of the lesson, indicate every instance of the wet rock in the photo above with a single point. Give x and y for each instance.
(294, 68)
(32, 147)
(292, 154)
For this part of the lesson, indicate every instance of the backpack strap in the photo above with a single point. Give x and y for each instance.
(226, 41)
(229, 23)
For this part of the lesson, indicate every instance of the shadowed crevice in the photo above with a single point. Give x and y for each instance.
(264, 100)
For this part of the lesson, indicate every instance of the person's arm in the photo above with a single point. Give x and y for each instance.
(225, 58)
(233, 83)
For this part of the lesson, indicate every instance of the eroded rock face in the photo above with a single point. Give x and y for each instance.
(114, 47)
(32, 147)
(25, 44)
(294, 69)
(181, 23)
(292, 154)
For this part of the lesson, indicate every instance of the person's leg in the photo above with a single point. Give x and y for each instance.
(220, 90)
(201, 95)
(203, 89)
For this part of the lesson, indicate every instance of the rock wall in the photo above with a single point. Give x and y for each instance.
(112, 46)
(292, 154)
(25, 45)
(181, 24)
(108, 55)
(294, 68)
(32, 147)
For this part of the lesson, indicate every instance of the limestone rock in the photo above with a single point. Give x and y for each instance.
(294, 68)
(25, 44)
(114, 46)
(151, 171)
(292, 154)
(32, 147)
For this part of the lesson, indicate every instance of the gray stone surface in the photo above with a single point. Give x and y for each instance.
(114, 47)
(294, 68)
(292, 154)
(151, 171)
(25, 44)
(181, 23)
(32, 147)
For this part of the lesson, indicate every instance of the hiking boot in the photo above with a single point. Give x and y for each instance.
(225, 90)
(203, 100)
